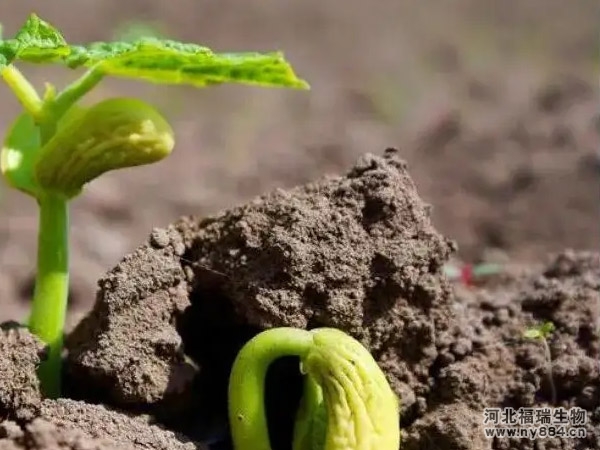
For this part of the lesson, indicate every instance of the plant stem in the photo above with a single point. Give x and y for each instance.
(74, 92)
(247, 415)
(48, 313)
(55, 108)
(24, 91)
(548, 355)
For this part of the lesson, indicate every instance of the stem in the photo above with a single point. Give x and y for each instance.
(51, 288)
(55, 109)
(247, 415)
(74, 92)
(24, 91)
(549, 367)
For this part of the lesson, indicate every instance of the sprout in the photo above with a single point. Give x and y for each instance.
(55, 147)
(542, 332)
(347, 403)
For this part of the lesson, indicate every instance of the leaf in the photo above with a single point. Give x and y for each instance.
(36, 41)
(542, 331)
(547, 328)
(532, 333)
(38, 33)
(151, 59)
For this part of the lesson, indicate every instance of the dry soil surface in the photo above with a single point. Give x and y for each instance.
(357, 252)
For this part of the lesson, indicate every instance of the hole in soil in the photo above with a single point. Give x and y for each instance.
(213, 335)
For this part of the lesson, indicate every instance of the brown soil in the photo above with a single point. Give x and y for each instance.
(33, 423)
(357, 252)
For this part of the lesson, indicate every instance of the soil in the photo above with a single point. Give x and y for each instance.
(494, 110)
(356, 252)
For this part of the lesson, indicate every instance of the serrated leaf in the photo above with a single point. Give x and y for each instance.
(155, 60)
(170, 62)
(39, 33)
(36, 41)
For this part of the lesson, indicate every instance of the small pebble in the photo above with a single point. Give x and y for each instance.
(159, 238)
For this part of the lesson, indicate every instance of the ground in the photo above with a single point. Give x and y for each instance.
(493, 110)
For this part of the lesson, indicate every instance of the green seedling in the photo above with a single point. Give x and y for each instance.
(541, 333)
(347, 403)
(56, 146)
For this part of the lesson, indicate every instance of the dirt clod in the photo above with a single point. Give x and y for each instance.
(20, 353)
(128, 348)
(356, 252)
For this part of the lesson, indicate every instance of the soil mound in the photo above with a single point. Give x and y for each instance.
(356, 252)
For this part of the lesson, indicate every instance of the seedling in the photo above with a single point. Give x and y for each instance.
(541, 333)
(56, 146)
(347, 403)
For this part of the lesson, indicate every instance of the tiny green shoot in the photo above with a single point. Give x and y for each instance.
(541, 333)
(56, 146)
(347, 402)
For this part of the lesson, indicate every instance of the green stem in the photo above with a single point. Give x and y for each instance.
(74, 92)
(24, 91)
(55, 108)
(247, 415)
(47, 318)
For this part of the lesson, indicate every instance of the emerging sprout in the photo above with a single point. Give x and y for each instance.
(347, 403)
(541, 333)
(55, 147)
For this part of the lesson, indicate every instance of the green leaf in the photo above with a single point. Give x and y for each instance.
(542, 331)
(547, 328)
(532, 333)
(38, 33)
(36, 41)
(150, 59)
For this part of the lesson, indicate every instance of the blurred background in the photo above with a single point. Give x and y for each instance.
(493, 104)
